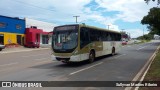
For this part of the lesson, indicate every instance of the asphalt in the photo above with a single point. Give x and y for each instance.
(36, 65)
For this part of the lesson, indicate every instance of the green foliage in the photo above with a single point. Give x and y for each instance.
(147, 1)
(154, 71)
(152, 20)
(146, 37)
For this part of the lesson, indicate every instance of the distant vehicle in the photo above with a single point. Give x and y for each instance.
(125, 38)
(1, 47)
(79, 42)
(124, 42)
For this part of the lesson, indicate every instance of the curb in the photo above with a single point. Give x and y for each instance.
(141, 74)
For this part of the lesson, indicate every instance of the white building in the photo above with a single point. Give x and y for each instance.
(156, 37)
(45, 26)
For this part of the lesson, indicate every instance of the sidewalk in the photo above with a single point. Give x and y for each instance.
(20, 49)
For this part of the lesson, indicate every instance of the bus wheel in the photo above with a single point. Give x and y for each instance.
(113, 51)
(91, 57)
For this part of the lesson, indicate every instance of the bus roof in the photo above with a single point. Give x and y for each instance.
(93, 27)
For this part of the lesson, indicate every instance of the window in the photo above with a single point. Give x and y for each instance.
(2, 25)
(45, 39)
(109, 37)
(18, 26)
(84, 34)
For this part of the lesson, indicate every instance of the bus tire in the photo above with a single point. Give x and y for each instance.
(113, 51)
(91, 56)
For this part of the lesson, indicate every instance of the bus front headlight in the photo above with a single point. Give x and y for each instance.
(75, 52)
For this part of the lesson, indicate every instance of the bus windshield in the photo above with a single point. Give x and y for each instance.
(65, 40)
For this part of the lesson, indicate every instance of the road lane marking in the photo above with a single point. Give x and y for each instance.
(33, 55)
(149, 64)
(141, 47)
(119, 56)
(85, 68)
(143, 71)
(9, 64)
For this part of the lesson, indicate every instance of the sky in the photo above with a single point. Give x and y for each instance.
(116, 15)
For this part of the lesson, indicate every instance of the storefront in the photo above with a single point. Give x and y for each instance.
(11, 30)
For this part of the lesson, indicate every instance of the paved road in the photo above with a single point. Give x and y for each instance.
(37, 66)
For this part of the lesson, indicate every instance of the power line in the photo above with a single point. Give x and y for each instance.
(28, 4)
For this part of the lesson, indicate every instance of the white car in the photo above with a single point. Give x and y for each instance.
(1, 47)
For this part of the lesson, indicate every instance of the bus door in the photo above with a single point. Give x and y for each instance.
(84, 43)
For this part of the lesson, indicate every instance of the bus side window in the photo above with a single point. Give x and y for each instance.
(99, 36)
(109, 37)
(84, 37)
(93, 35)
(113, 36)
(117, 37)
(105, 36)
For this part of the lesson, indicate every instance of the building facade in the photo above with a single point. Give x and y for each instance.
(12, 30)
(36, 36)
(45, 26)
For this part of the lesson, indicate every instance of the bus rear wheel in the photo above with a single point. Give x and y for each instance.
(91, 57)
(113, 51)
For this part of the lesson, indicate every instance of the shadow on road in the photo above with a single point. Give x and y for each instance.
(71, 64)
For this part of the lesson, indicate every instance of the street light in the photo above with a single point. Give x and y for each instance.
(76, 18)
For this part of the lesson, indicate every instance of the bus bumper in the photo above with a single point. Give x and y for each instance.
(75, 58)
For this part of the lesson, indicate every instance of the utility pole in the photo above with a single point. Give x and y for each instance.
(143, 33)
(76, 18)
(108, 26)
(122, 30)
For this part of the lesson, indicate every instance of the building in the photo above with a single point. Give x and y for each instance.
(44, 26)
(156, 37)
(12, 30)
(33, 38)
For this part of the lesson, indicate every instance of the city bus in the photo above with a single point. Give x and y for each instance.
(79, 42)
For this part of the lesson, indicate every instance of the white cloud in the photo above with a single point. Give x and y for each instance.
(129, 10)
(62, 11)
(136, 32)
(114, 27)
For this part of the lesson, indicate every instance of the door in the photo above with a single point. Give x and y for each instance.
(19, 41)
(2, 39)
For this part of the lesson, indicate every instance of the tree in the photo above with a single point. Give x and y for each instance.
(152, 20)
(147, 1)
(145, 37)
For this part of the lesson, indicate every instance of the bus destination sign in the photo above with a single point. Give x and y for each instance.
(66, 28)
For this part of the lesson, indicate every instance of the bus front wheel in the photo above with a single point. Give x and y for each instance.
(91, 57)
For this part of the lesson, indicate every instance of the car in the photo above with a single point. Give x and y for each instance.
(124, 42)
(2, 47)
